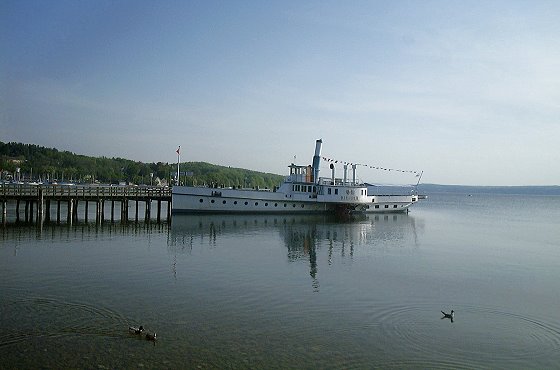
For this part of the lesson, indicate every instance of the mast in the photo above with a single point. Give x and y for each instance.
(178, 161)
(418, 182)
(419, 178)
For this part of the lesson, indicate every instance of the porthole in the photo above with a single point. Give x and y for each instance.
(302, 206)
(224, 202)
(212, 201)
(395, 206)
(200, 200)
(275, 204)
(246, 203)
(386, 206)
(256, 203)
(266, 204)
(285, 205)
(235, 202)
(294, 206)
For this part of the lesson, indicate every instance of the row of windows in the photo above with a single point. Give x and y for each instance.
(247, 203)
(201, 200)
(386, 206)
(348, 192)
(313, 189)
(304, 188)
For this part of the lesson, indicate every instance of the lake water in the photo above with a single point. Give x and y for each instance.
(303, 292)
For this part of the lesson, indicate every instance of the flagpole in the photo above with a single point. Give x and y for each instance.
(178, 161)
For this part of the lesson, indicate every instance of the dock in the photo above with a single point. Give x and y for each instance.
(36, 201)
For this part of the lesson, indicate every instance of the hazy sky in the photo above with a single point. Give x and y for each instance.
(467, 91)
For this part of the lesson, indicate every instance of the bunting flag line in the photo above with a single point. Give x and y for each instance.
(417, 173)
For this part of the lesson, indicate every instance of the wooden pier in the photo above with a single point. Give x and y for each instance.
(38, 199)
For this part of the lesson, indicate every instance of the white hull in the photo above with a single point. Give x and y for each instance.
(188, 199)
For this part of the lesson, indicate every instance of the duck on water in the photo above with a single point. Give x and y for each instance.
(448, 315)
(140, 331)
(134, 330)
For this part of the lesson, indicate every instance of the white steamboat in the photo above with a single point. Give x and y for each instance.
(303, 191)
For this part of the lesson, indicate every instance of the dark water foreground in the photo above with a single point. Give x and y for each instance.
(290, 291)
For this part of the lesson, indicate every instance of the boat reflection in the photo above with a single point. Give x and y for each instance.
(298, 230)
(303, 235)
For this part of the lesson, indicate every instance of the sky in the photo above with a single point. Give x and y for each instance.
(466, 91)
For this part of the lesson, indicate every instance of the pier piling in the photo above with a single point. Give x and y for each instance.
(70, 211)
(136, 214)
(159, 211)
(47, 210)
(58, 211)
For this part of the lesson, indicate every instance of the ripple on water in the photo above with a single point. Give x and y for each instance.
(25, 318)
(478, 335)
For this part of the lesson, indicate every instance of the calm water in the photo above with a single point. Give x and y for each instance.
(290, 291)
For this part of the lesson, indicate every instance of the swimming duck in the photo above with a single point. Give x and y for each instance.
(152, 337)
(134, 330)
(448, 315)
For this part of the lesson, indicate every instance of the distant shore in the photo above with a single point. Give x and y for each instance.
(467, 189)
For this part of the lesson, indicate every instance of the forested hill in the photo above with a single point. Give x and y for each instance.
(49, 164)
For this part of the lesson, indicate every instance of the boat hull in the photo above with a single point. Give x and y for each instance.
(186, 199)
(209, 200)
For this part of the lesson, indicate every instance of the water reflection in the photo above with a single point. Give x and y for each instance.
(303, 235)
(80, 231)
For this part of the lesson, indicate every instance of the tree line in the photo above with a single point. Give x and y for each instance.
(29, 162)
